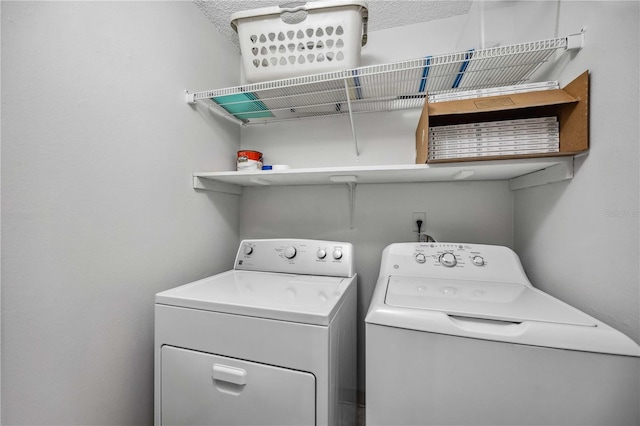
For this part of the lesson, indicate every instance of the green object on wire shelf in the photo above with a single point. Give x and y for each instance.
(243, 106)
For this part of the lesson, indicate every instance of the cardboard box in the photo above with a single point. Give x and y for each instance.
(570, 105)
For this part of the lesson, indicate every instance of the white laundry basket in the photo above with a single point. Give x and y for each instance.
(301, 38)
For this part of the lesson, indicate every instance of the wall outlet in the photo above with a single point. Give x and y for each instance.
(419, 216)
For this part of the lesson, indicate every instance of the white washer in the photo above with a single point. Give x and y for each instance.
(271, 342)
(457, 335)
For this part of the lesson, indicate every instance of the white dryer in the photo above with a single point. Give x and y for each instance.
(457, 335)
(271, 342)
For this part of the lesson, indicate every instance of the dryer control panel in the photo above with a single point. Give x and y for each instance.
(453, 261)
(296, 256)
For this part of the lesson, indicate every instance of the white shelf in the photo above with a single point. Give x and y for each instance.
(387, 87)
(521, 173)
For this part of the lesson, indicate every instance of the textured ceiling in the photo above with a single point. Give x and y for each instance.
(382, 13)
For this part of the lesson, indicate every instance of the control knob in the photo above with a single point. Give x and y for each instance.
(421, 258)
(478, 260)
(322, 253)
(290, 252)
(248, 250)
(337, 254)
(448, 260)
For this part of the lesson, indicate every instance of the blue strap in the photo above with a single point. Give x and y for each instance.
(463, 68)
(356, 80)
(425, 74)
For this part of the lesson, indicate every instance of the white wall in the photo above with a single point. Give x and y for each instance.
(98, 210)
(579, 240)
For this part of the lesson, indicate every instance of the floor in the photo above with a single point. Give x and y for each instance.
(360, 415)
(348, 414)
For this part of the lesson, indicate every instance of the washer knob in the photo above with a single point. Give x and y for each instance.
(290, 252)
(448, 260)
(478, 260)
(322, 253)
(337, 254)
(248, 250)
(421, 258)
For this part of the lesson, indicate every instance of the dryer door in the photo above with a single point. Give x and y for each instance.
(204, 389)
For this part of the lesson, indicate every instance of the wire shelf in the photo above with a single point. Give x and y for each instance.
(387, 87)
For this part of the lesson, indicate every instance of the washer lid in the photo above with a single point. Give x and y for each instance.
(306, 299)
(509, 302)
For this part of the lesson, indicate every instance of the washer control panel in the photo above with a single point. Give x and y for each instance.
(296, 256)
(452, 261)
(448, 255)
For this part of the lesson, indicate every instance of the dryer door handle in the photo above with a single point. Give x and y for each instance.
(225, 373)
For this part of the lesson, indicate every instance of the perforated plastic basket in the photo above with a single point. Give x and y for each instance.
(296, 39)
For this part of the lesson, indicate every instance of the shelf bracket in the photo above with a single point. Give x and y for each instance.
(575, 41)
(556, 173)
(353, 129)
(351, 184)
(210, 185)
(190, 98)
